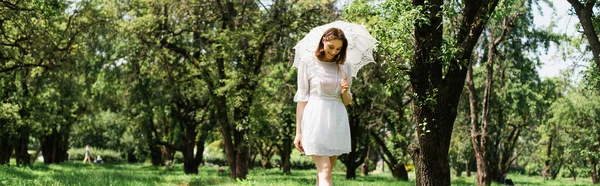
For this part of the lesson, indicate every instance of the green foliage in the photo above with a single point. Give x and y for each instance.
(108, 156)
(381, 90)
(10, 120)
(104, 130)
(392, 24)
(578, 116)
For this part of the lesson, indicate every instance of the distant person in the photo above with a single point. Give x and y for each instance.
(87, 155)
(99, 160)
(502, 179)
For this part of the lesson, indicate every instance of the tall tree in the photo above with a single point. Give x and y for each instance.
(437, 77)
(224, 47)
(39, 41)
(385, 104)
(585, 12)
(479, 131)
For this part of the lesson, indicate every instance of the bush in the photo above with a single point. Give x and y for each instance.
(533, 169)
(302, 164)
(215, 161)
(178, 157)
(108, 156)
(582, 172)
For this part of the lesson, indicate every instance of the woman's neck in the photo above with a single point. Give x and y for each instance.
(324, 59)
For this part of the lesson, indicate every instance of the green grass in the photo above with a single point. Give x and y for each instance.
(77, 173)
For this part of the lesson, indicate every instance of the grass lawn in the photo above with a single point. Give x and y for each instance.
(77, 173)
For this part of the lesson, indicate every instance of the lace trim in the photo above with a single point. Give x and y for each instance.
(324, 152)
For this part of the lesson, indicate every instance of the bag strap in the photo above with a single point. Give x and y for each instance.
(340, 71)
(341, 78)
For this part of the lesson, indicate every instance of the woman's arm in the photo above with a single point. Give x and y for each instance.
(346, 95)
(346, 98)
(299, 112)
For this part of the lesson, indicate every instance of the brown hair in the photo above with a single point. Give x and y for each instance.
(333, 33)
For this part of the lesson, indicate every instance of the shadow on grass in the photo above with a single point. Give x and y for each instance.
(76, 173)
(16, 172)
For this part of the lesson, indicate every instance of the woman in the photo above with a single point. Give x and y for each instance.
(87, 155)
(322, 129)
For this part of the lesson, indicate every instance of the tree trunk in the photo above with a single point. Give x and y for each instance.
(358, 146)
(585, 13)
(156, 155)
(478, 133)
(200, 144)
(546, 170)
(352, 161)
(457, 171)
(398, 170)
(573, 173)
(54, 145)
(555, 172)
(265, 162)
(285, 153)
(236, 151)
(468, 168)
(365, 166)
(266, 151)
(486, 165)
(593, 163)
(227, 137)
(130, 157)
(21, 155)
(437, 87)
(241, 156)
(168, 155)
(350, 173)
(5, 150)
(35, 155)
(190, 163)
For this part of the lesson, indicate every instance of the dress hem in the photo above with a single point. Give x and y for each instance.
(316, 154)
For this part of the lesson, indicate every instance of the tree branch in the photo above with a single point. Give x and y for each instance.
(25, 65)
(14, 6)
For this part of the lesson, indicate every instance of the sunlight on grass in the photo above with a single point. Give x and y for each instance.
(77, 173)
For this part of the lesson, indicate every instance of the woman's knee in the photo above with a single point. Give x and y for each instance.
(326, 175)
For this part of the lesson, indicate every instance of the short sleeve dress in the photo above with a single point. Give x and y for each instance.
(325, 127)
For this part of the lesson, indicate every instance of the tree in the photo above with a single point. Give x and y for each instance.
(437, 74)
(39, 42)
(480, 131)
(585, 13)
(551, 145)
(385, 104)
(577, 114)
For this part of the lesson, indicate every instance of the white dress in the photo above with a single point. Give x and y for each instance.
(325, 127)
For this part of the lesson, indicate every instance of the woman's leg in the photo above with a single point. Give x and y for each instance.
(88, 159)
(324, 166)
(333, 159)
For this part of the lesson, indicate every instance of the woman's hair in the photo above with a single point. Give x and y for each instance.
(330, 34)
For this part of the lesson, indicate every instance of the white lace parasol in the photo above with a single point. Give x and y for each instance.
(360, 44)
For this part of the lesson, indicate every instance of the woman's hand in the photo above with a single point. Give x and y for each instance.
(345, 85)
(298, 143)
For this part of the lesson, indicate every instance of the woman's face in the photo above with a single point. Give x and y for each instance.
(332, 48)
